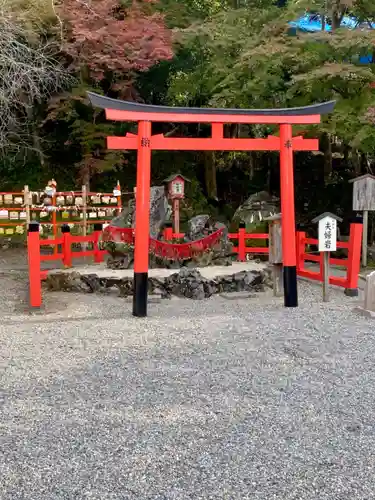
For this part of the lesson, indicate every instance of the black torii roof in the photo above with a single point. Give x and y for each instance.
(116, 104)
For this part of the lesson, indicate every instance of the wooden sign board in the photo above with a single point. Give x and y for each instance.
(327, 234)
(364, 193)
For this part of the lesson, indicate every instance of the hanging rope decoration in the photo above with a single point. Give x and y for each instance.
(163, 249)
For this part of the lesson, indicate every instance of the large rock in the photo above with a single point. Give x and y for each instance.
(196, 226)
(159, 212)
(256, 208)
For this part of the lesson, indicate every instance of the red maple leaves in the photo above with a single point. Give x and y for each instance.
(107, 38)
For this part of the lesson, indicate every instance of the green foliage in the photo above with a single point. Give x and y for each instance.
(228, 53)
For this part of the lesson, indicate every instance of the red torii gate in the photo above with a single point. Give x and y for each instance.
(144, 142)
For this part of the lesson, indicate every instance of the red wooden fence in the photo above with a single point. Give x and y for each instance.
(184, 250)
(66, 255)
(351, 263)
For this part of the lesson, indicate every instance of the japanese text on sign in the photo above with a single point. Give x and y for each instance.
(177, 188)
(327, 235)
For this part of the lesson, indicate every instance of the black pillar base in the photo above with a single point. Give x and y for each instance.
(290, 286)
(140, 295)
(351, 292)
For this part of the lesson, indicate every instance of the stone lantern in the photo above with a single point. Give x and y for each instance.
(175, 185)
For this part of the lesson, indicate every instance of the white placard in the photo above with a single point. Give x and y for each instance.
(177, 187)
(327, 234)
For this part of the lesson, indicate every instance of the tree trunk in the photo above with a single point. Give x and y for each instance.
(35, 135)
(234, 130)
(210, 174)
(356, 163)
(327, 150)
(85, 176)
(251, 165)
(338, 12)
(37, 146)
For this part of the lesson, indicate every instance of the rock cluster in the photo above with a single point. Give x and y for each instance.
(159, 212)
(121, 256)
(187, 283)
(256, 208)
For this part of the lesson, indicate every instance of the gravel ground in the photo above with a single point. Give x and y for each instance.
(215, 399)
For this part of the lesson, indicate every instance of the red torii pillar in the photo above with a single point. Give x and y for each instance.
(288, 233)
(142, 219)
(145, 142)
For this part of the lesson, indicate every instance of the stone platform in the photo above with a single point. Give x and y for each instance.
(198, 283)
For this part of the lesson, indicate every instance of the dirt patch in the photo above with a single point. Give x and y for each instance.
(14, 287)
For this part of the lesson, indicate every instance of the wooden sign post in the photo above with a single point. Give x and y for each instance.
(276, 253)
(327, 237)
(364, 201)
(368, 308)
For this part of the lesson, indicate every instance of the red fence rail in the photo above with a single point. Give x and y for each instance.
(241, 249)
(66, 254)
(127, 235)
(351, 263)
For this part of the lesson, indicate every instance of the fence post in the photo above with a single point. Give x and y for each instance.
(55, 229)
(27, 203)
(33, 252)
(300, 243)
(98, 257)
(354, 257)
(66, 245)
(84, 213)
(242, 242)
(168, 231)
(119, 201)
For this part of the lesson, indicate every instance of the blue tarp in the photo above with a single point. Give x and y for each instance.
(312, 23)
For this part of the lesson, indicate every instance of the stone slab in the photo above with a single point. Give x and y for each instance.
(364, 312)
(209, 272)
(237, 295)
(151, 299)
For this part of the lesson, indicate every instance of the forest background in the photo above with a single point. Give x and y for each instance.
(222, 53)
